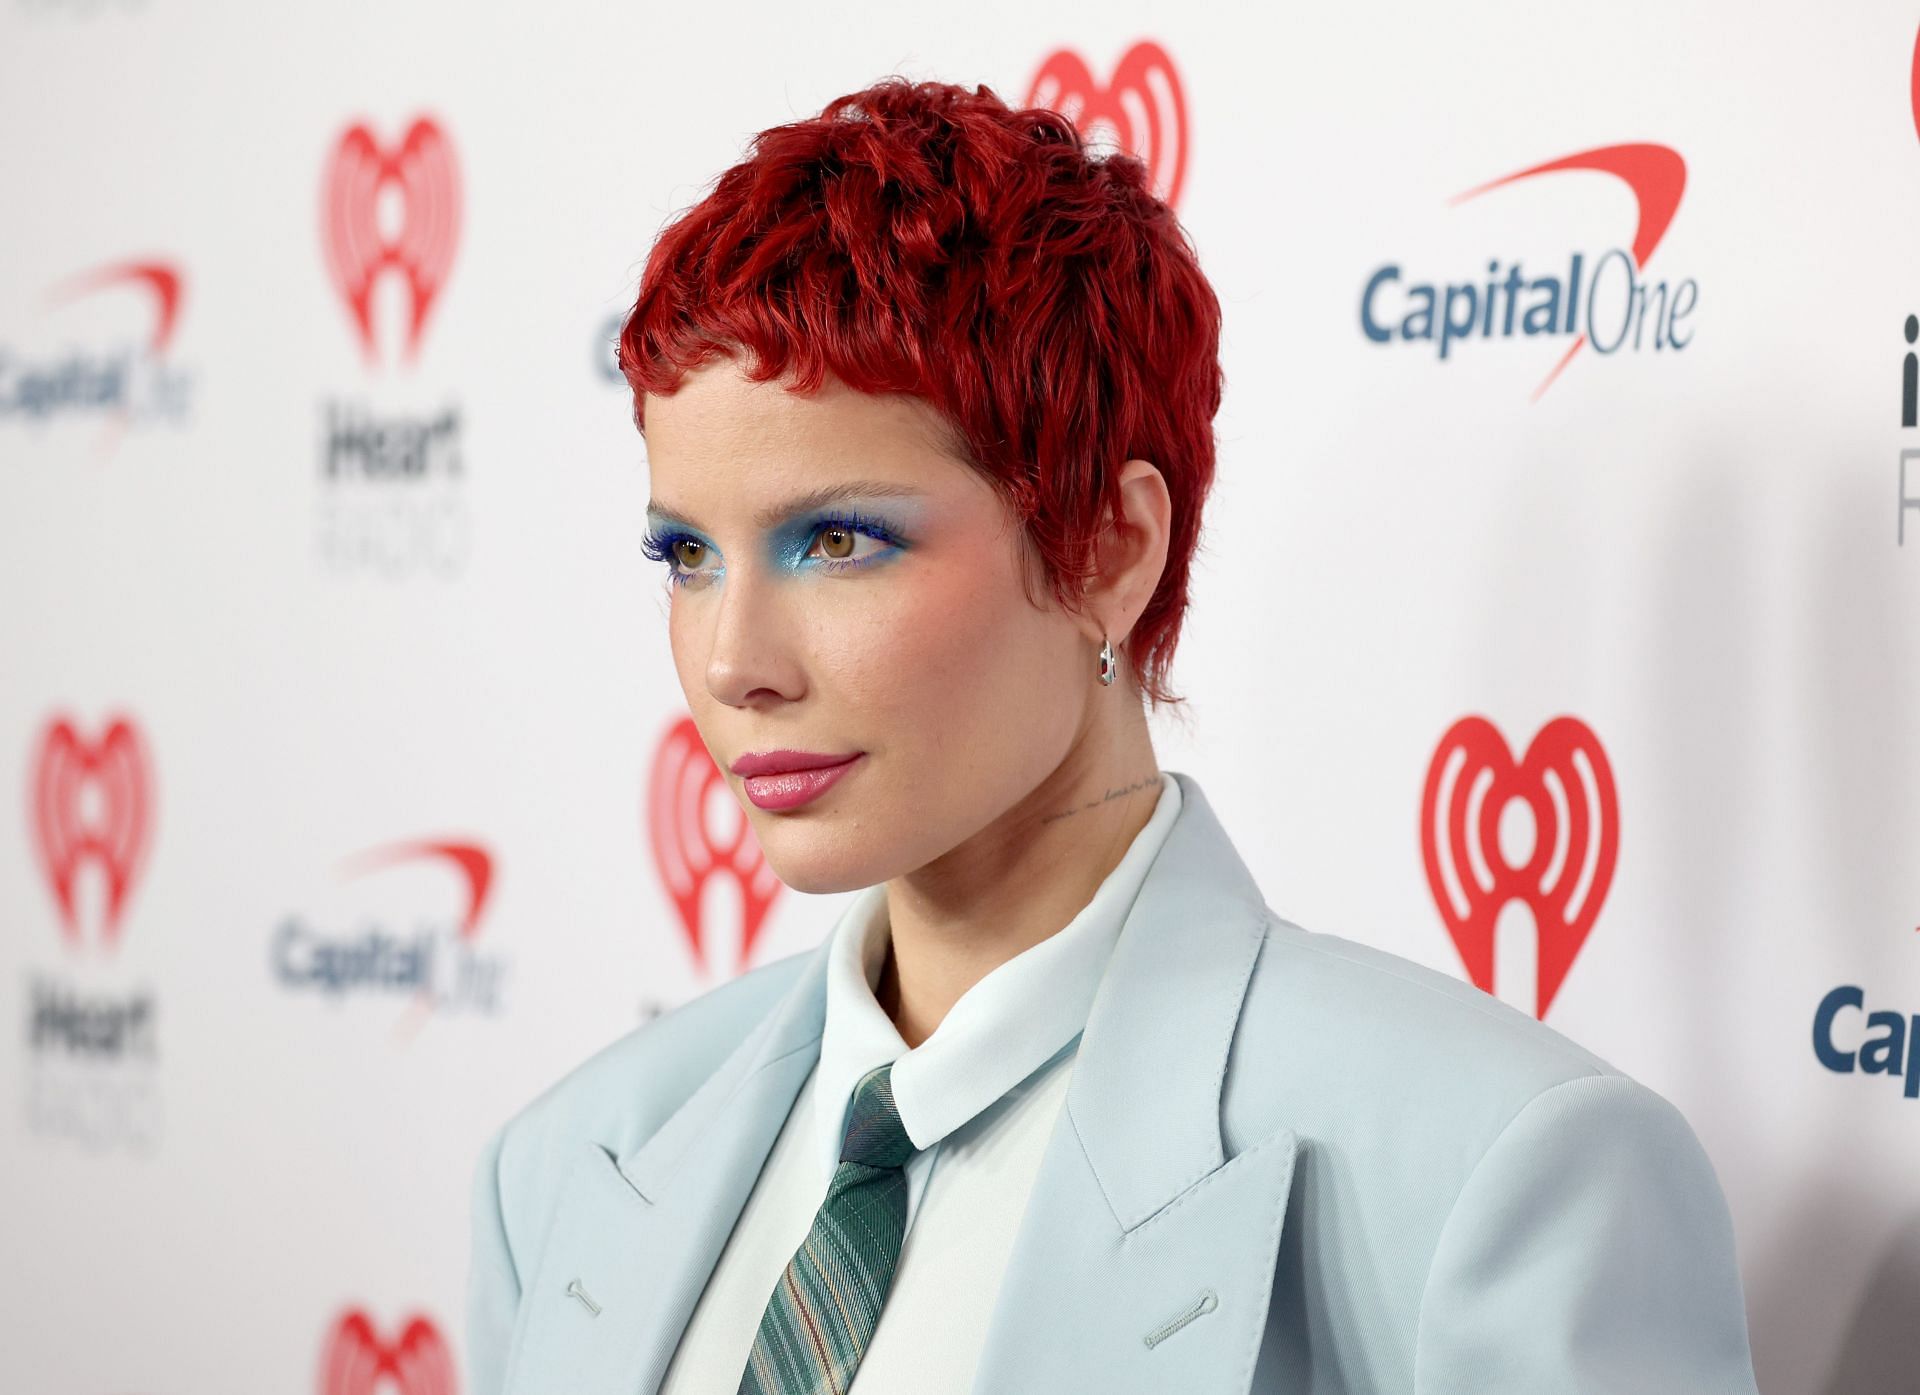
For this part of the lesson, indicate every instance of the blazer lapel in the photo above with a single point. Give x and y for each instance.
(1145, 1258)
(636, 1237)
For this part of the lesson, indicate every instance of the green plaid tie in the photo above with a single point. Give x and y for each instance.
(824, 1309)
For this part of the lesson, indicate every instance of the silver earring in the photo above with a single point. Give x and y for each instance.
(1107, 667)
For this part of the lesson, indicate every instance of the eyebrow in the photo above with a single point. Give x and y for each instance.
(801, 503)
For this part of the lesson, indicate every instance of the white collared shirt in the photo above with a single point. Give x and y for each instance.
(979, 1098)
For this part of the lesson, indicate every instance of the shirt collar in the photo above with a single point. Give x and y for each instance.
(1002, 1028)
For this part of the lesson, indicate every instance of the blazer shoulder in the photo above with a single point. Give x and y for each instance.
(625, 1091)
(1331, 1029)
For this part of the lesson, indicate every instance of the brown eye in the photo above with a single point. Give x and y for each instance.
(834, 540)
(688, 560)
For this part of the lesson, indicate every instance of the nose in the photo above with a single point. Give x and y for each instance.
(751, 655)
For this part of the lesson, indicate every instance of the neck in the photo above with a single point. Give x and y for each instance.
(1019, 880)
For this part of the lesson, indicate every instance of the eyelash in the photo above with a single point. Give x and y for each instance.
(659, 546)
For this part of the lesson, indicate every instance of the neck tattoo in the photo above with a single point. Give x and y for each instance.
(1120, 792)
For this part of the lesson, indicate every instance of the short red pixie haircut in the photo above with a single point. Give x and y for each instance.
(919, 238)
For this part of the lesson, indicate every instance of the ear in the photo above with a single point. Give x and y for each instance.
(1132, 553)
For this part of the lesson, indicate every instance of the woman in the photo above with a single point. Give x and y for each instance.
(1060, 1105)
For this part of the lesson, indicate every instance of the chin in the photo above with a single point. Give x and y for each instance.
(817, 855)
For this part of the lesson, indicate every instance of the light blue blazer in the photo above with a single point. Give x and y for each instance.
(1287, 1163)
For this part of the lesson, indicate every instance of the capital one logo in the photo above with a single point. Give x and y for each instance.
(91, 807)
(1604, 301)
(689, 856)
(1565, 785)
(125, 381)
(390, 211)
(382, 949)
(358, 1361)
(1142, 108)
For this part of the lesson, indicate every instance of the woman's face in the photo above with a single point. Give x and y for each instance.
(887, 622)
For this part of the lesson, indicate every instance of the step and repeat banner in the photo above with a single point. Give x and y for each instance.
(1557, 622)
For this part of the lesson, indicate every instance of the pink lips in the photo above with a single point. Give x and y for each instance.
(789, 779)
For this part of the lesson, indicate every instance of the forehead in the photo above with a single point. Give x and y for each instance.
(719, 420)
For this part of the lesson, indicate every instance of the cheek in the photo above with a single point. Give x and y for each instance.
(944, 662)
(688, 641)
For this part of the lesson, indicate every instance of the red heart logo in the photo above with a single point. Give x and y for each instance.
(1567, 784)
(1913, 88)
(683, 853)
(114, 832)
(1143, 104)
(355, 1359)
(423, 172)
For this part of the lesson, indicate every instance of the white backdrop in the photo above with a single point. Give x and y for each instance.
(379, 808)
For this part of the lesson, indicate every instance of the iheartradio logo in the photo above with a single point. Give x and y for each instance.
(1566, 784)
(390, 210)
(91, 804)
(1142, 108)
(356, 1361)
(686, 852)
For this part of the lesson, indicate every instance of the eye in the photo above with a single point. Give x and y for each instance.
(851, 540)
(684, 555)
(837, 543)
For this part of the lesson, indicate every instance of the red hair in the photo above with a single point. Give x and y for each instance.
(920, 238)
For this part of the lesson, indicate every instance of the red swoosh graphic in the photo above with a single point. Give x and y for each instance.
(1657, 176)
(161, 278)
(474, 863)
